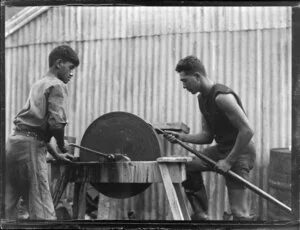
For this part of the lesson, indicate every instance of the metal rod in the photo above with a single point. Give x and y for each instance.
(232, 174)
(114, 157)
(108, 156)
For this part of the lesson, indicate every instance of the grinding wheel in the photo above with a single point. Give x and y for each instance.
(125, 133)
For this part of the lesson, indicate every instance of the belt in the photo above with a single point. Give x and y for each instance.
(29, 134)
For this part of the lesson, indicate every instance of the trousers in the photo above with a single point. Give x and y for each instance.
(27, 177)
(194, 185)
(242, 166)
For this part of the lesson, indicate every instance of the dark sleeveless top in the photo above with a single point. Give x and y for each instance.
(224, 132)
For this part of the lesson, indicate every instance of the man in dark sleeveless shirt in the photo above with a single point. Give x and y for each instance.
(225, 122)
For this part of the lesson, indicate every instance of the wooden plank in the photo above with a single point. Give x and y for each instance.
(173, 126)
(174, 159)
(176, 166)
(181, 200)
(171, 193)
(59, 185)
(177, 172)
(75, 200)
(126, 172)
(82, 201)
(79, 201)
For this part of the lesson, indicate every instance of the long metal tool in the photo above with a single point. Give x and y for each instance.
(232, 174)
(112, 157)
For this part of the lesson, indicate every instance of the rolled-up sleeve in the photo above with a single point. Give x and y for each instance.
(57, 118)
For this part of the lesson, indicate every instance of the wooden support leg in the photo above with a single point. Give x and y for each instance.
(79, 205)
(60, 185)
(171, 193)
(182, 202)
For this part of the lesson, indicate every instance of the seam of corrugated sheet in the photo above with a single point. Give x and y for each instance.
(229, 19)
(128, 56)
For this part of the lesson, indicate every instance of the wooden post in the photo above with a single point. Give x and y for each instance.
(182, 203)
(171, 193)
(79, 204)
(175, 196)
(296, 112)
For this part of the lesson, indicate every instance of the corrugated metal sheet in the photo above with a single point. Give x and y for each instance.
(128, 56)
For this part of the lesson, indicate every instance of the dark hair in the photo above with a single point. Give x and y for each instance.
(190, 65)
(64, 52)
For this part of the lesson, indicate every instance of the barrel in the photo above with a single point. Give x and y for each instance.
(279, 182)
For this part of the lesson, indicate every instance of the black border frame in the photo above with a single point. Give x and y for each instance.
(163, 224)
(296, 112)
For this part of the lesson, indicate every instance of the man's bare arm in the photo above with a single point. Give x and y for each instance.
(204, 137)
(59, 156)
(238, 118)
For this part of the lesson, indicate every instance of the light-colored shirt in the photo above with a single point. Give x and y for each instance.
(45, 107)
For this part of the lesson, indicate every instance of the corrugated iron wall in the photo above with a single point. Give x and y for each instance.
(128, 56)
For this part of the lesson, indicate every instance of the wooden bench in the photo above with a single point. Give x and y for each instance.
(170, 171)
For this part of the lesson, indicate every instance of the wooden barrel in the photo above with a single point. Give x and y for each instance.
(279, 182)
